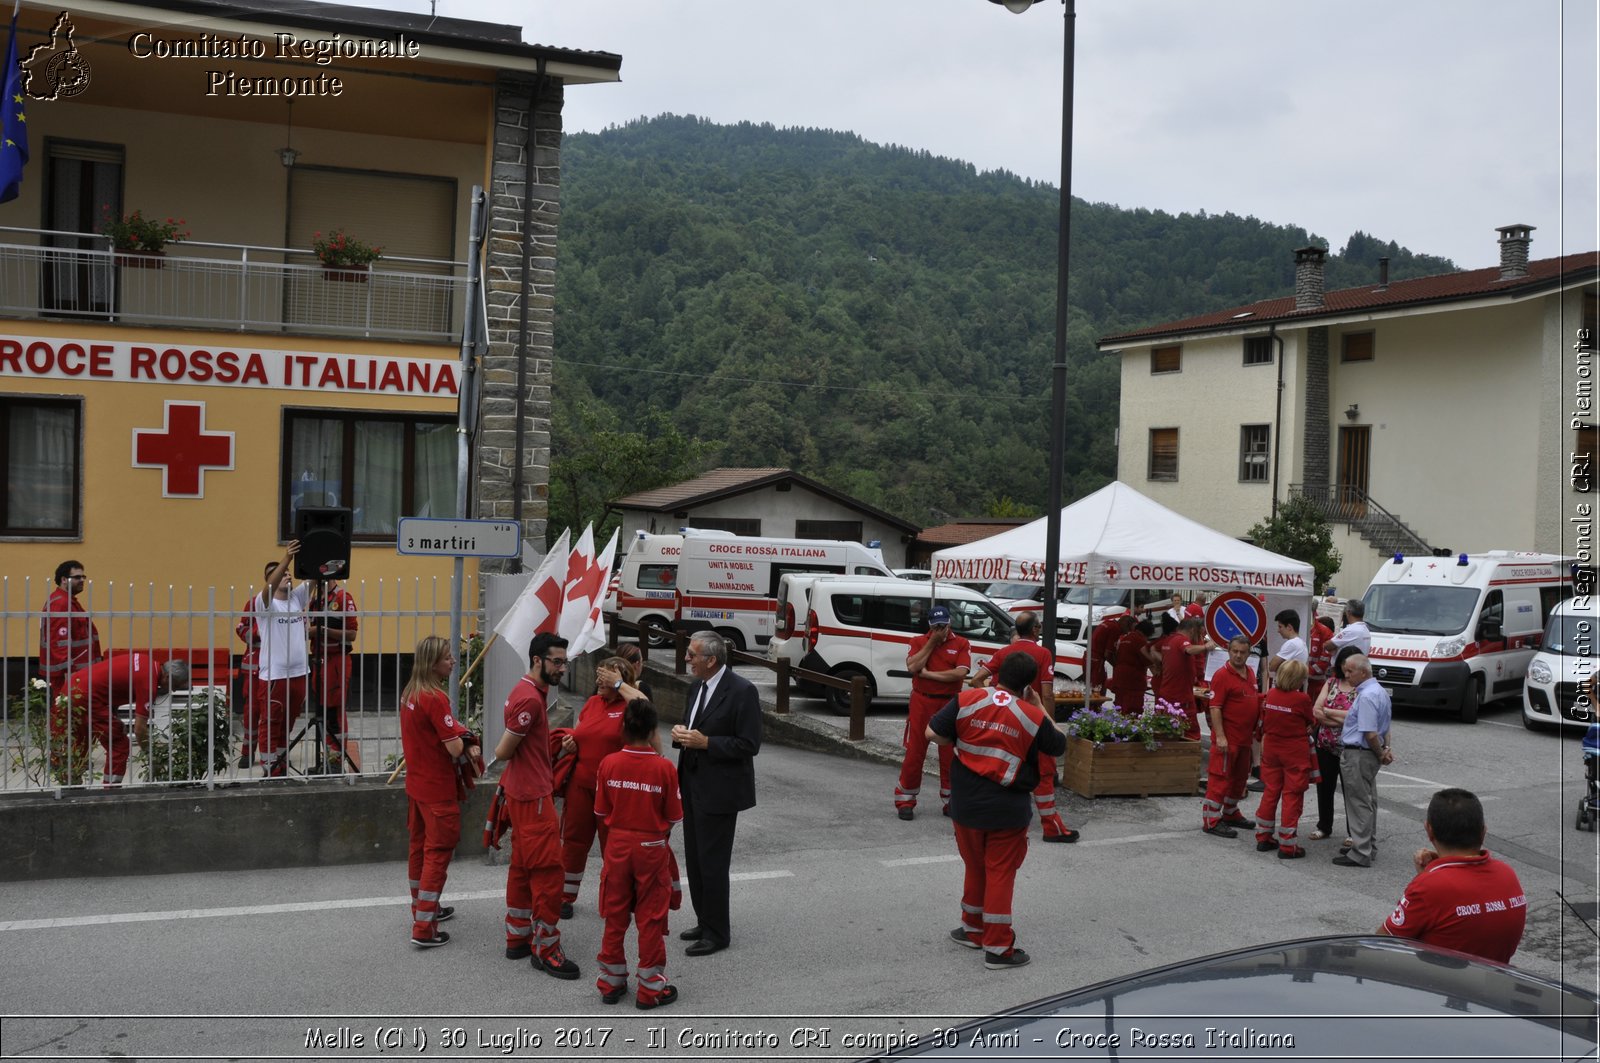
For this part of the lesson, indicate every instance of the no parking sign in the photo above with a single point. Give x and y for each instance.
(1236, 613)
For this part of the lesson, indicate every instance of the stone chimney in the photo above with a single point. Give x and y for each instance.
(1514, 241)
(1308, 284)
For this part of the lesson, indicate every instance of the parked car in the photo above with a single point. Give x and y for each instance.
(1317, 998)
(1556, 694)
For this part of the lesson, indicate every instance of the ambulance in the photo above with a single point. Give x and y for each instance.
(647, 581)
(1453, 633)
(1558, 693)
(729, 583)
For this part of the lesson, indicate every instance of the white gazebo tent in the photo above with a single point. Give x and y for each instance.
(1118, 537)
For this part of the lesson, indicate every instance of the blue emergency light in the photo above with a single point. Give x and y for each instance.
(1461, 561)
(1399, 558)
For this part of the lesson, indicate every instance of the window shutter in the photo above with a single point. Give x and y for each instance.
(1163, 453)
(409, 216)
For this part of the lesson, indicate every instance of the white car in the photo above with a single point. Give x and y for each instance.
(1556, 694)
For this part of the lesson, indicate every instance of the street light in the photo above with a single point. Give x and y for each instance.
(1058, 382)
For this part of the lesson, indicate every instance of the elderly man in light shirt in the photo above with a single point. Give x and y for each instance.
(1366, 749)
(1355, 631)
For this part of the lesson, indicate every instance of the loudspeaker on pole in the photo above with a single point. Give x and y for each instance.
(324, 534)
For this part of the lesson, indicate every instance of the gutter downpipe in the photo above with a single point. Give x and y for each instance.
(466, 418)
(1277, 419)
(523, 298)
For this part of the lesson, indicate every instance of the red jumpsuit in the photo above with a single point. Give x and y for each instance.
(250, 674)
(433, 817)
(636, 797)
(1102, 648)
(1175, 684)
(331, 669)
(1130, 673)
(1044, 795)
(598, 734)
(928, 696)
(93, 694)
(68, 640)
(1236, 698)
(1318, 659)
(1286, 759)
(533, 877)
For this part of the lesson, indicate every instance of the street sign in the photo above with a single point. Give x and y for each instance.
(429, 537)
(1236, 613)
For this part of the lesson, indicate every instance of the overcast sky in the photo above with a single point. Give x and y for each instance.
(1428, 122)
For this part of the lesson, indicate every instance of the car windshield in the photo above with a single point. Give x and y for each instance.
(1571, 635)
(1103, 596)
(1407, 609)
(1005, 592)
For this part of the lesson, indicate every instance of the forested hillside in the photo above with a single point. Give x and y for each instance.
(877, 318)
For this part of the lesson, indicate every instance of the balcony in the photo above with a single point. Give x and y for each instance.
(230, 287)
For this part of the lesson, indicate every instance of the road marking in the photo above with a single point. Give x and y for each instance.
(912, 860)
(1135, 839)
(1413, 779)
(108, 919)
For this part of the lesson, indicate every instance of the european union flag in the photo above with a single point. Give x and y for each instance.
(13, 123)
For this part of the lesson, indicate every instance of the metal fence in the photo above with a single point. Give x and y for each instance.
(211, 733)
(227, 286)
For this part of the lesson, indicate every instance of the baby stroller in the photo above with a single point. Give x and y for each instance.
(1589, 807)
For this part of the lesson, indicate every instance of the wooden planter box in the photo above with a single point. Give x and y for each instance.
(1129, 769)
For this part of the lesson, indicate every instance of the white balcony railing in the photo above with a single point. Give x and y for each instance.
(237, 287)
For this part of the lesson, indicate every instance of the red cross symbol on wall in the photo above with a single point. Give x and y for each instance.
(182, 449)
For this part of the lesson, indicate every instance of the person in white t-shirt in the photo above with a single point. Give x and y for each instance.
(1355, 631)
(1293, 647)
(284, 664)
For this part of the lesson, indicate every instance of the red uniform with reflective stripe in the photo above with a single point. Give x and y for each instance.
(1471, 904)
(1102, 648)
(68, 640)
(126, 679)
(333, 684)
(636, 795)
(426, 724)
(994, 733)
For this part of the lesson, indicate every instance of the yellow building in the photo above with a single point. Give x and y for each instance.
(163, 416)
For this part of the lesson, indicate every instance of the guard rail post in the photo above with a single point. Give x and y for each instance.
(782, 706)
(858, 709)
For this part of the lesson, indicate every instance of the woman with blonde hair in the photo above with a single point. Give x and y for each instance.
(596, 735)
(432, 739)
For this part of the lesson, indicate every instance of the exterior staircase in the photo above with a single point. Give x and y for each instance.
(1352, 506)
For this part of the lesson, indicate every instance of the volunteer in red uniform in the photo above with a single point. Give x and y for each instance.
(938, 662)
(997, 735)
(533, 879)
(1462, 898)
(93, 695)
(250, 673)
(1286, 760)
(281, 614)
(1319, 653)
(1176, 682)
(331, 637)
(1103, 646)
(1025, 641)
(1130, 675)
(597, 736)
(636, 797)
(68, 640)
(431, 739)
(1235, 709)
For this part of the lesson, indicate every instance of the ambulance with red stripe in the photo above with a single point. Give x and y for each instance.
(864, 626)
(1451, 633)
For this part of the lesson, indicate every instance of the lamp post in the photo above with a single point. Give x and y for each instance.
(1058, 381)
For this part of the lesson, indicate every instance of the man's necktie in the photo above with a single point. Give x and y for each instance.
(699, 705)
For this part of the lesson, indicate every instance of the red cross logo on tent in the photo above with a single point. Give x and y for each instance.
(1111, 571)
(182, 449)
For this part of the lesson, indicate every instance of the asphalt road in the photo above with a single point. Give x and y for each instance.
(840, 914)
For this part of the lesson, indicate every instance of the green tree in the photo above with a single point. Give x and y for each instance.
(595, 462)
(1300, 531)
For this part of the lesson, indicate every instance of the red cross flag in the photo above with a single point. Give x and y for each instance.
(585, 580)
(538, 607)
(593, 635)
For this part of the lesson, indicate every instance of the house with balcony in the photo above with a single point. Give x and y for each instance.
(164, 416)
(1445, 413)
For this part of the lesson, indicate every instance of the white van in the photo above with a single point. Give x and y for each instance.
(1073, 609)
(729, 583)
(647, 581)
(1452, 633)
(1558, 675)
(792, 621)
(864, 626)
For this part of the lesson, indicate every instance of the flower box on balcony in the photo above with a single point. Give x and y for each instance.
(142, 259)
(349, 275)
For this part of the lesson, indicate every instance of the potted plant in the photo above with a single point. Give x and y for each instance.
(1114, 752)
(138, 240)
(343, 257)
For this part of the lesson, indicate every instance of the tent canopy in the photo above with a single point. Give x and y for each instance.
(1117, 537)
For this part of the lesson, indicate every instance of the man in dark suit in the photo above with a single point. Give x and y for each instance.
(720, 735)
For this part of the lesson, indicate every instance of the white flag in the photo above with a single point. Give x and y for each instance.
(574, 590)
(593, 635)
(538, 607)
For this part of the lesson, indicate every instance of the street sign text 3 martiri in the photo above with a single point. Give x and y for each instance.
(458, 538)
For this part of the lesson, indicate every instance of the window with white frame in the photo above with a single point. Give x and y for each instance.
(1254, 439)
(381, 466)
